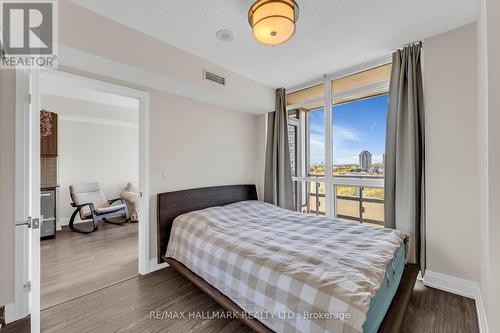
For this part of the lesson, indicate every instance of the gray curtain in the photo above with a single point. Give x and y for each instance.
(404, 152)
(278, 188)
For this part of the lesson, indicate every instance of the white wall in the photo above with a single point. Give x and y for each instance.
(198, 145)
(482, 89)
(92, 151)
(493, 22)
(452, 178)
(489, 136)
(7, 184)
(451, 91)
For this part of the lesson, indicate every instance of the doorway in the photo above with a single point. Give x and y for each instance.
(29, 155)
(89, 142)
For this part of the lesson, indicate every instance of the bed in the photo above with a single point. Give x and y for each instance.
(282, 271)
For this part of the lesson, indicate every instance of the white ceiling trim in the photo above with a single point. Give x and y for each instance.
(343, 72)
(98, 121)
(77, 59)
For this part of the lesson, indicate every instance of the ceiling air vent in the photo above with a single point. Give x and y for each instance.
(214, 78)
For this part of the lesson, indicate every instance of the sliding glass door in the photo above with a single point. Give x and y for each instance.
(337, 142)
(307, 151)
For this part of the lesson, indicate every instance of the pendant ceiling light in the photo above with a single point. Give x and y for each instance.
(273, 21)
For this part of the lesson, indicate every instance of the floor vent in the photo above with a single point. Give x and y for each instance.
(214, 78)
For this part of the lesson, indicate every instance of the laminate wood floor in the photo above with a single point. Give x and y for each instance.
(126, 306)
(433, 310)
(76, 264)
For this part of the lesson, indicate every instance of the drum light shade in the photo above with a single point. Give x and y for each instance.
(273, 21)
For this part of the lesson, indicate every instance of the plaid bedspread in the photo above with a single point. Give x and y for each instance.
(293, 272)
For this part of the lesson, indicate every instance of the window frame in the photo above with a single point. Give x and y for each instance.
(331, 181)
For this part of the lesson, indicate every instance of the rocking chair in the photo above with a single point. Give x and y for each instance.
(92, 204)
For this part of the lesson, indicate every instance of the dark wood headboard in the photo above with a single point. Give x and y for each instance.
(173, 204)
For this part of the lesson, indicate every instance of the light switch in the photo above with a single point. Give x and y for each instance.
(164, 175)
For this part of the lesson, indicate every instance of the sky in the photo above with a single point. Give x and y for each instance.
(357, 126)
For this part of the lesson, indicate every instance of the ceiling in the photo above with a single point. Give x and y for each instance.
(331, 34)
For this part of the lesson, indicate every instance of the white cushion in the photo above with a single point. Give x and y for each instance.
(109, 209)
(88, 193)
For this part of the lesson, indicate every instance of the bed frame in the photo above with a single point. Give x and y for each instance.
(173, 204)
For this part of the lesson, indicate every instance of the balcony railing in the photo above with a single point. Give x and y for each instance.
(310, 197)
(316, 203)
(358, 199)
(360, 207)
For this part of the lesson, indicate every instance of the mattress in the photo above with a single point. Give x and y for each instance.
(381, 302)
(291, 271)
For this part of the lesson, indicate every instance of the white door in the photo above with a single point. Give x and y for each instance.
(27, 293)
(35, 200)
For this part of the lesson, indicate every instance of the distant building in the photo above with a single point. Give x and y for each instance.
(365, 160)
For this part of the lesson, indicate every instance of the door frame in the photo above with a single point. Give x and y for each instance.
(27, 87)
(81, 81)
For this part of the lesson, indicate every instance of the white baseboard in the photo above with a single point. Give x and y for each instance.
(481, 314)
(460, 287)
(154, 265)
(63, 221)
(10, 313)
(451, 284)
(15, 311)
